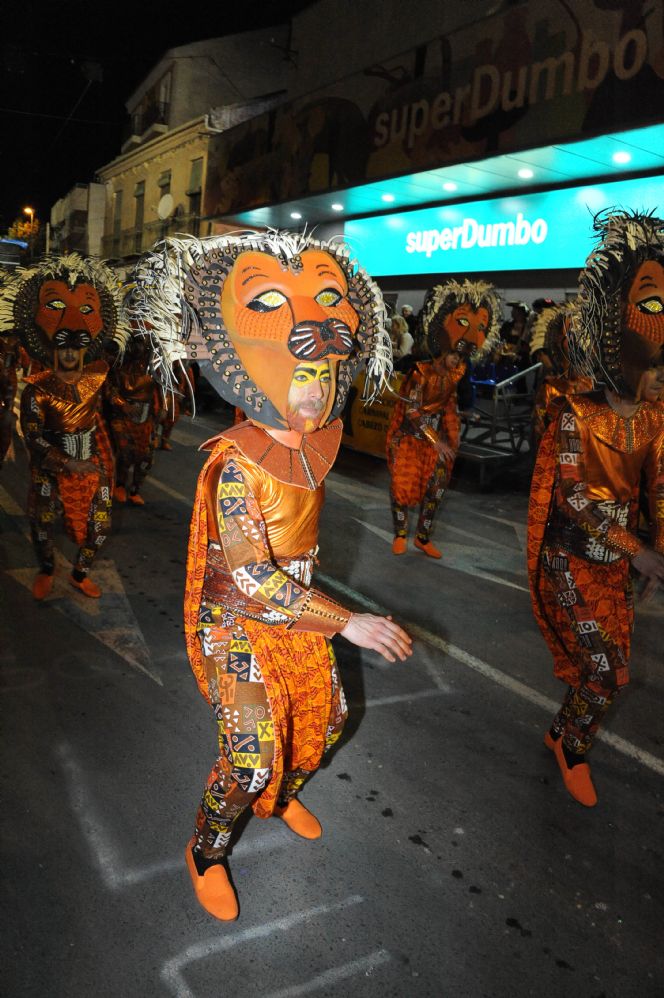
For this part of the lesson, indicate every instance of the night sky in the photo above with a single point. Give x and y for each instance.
(53, 55)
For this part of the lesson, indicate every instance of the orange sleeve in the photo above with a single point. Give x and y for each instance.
(655, 479)
(571, 489)
(244, 543)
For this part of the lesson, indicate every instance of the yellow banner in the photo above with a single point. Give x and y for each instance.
(365, 426)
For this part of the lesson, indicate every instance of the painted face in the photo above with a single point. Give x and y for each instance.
(452, 360)
(651, 387)
(465, 329)
(308, 396)
(69, 315)
(68, 358)
(643, 332)
(280, 317)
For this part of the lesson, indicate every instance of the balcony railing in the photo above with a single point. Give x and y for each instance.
(142, 121)
(132, 241)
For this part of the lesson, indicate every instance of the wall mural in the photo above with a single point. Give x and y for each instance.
(527, 77)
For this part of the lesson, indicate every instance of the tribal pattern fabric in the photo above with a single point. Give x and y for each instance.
(276, 716)
(84, 501)
(418, 476)
(581, 525)
(60, 421)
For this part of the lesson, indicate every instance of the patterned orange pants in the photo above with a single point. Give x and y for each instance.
(587, 616)
(271, 734)
(418, 478)
(84, 501)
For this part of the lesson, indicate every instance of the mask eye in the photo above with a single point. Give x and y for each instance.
(56, 305)
(463, 322)
(86, 309)
(267, 302)
(651, 306)
(328, 297)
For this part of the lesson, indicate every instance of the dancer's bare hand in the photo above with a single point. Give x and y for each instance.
(75, 467)
(380, 634)
(651, 565)
(444, 451)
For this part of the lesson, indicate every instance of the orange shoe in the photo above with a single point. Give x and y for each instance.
(577, 779)
(86, 586)
(120, 493)
(214, 890)
(135, 499)
(299, 820)
(399, 545)
(164, 445)
(42, 585)
(429, 549)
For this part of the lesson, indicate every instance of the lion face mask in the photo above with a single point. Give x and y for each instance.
(619, 327)
(277, 317)
(64, 302)
(461, 317)
(252, 308)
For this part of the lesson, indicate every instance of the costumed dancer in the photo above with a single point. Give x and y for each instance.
(460, 321)
(179, 401)
(549, 345)
(584, 495)
(288, 322)
(12, 356)
(135, 409)
(62, 310)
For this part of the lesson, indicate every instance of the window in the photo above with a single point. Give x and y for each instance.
(139, 212)
(164, 183)
(195, 176)
(117, 214)
(194, 194)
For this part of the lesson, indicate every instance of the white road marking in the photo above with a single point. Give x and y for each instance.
(173, 493)
(499, 678)
(115, 874)
(488, 671)
(109, 620)
(400, 698)
(520, 528)
(458, 558)
(171, 973)
(364, 964)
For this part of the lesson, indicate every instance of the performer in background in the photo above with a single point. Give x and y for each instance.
(460, 321)
(12, 356)
(63, 310)
(135, 407)
(289, 321)
(584, 495)
(179, 401)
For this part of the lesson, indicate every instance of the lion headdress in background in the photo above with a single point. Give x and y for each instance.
(461, 316)
(63, 301)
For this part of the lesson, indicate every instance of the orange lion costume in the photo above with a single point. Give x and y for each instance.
(460, 322)
(584, 496)
(64, 310)
(287, 322)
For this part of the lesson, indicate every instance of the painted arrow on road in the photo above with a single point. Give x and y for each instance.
(109, 620)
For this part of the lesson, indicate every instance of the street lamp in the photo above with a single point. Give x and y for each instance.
(31, 213)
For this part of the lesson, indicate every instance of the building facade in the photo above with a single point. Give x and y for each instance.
(156, 186)
(77, 221)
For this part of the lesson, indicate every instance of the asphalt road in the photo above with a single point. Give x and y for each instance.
(453, 864)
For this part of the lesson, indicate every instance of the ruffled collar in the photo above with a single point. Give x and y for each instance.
(305, 468)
